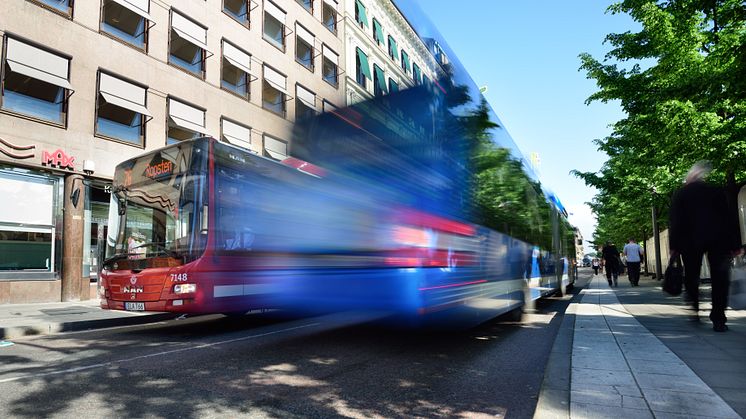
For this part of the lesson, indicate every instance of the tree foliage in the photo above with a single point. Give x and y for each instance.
(681, 81)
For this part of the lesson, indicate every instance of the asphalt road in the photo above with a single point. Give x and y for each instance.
(256, 366)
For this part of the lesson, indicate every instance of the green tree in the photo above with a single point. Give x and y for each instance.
(680, 80)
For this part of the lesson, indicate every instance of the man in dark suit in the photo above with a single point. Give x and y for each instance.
(701, 221)
(611, 259)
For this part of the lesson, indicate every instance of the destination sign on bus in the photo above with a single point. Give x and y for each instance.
(163, 168)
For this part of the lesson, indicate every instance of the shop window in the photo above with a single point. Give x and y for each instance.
(274, 25)
(96, 222)
(188, 45)
(330, 66)
(128, 21)
(64, 7)
(304, 47)
(185, 122)
(275, 149)
(121, 111)
(329, 15)
(35, 82)
(274, 92)
(28, 218)
(238, 10)
(236, 70)
(305, 103)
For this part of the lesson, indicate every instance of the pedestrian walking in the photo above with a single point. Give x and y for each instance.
(596, 264)
(702, 222)
(633, 252)
(610, 255)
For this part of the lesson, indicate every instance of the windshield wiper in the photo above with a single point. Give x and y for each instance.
(119, 256)
(161, 246)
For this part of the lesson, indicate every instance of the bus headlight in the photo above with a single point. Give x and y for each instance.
(185, 288)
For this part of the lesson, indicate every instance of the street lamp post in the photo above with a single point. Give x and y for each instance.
(657, 240)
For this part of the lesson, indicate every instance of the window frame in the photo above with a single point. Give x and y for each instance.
(203, 72)
(65, 109)
(298, 101)
(247, 23)
(285, 95)
(146, 31)
(309, 10)
(268, 39)
(375, 23)
(336, 66)
(143, 123)
(325, 5)
(169, 98)
(298, 39)
(224, 118)
(222, 67)
(377, 91)
(265, 154)
(68, 15)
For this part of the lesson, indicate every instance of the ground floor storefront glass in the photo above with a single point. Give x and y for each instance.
(30, 224)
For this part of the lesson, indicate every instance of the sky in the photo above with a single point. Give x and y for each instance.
(526, 53)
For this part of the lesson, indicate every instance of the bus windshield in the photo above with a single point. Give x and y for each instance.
(159, 205)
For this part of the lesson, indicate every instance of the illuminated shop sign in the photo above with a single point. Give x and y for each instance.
(58, 159)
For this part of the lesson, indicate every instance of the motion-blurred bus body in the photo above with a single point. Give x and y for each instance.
(402, 204)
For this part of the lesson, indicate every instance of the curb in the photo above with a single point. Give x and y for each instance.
(15, 332)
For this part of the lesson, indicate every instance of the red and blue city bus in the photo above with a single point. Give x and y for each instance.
(403, 203)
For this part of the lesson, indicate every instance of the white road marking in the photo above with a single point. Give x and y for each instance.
(201, 346)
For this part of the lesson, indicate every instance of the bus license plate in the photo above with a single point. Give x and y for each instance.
(134, 306)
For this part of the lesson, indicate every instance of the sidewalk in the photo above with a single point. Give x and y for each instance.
(634, 354)
(18, 320)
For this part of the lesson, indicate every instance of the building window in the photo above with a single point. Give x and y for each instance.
(64, 7)
(327, 106)
(405, 61)
(304, 50)
(127, 21)
(416, 74)
(236, 70)
(275, 149)
(307, 4)
(35, 82)
(360, 16)
(274, 92)
(188, 45)
(362, 68)
(305, 105)
(28, 216)
(329, 15)
(235, 133)
(238, 10)
(185, 121)
(393, 86)
(393, 50)
(121, 110)
(379, 81)
(377, 32)
(330, 66)
(274, 25)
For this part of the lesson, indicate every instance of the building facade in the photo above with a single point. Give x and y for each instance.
(383, 53)
(88, 84)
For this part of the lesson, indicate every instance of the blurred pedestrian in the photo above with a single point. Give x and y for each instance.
(610, 255)
(633, 252)
(596, 264)
(702, 222)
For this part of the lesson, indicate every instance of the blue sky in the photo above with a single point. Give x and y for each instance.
(526, 53)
